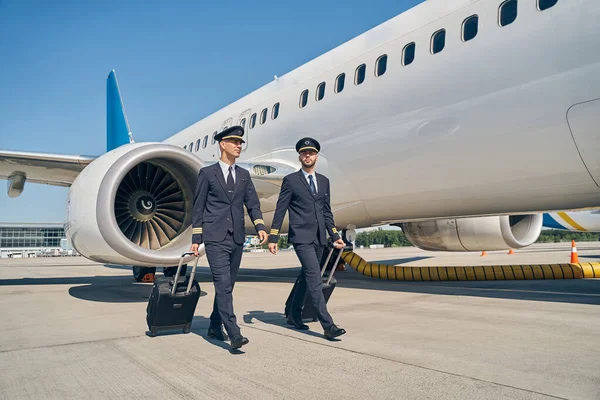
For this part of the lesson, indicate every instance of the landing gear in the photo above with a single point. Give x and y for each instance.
(348, 236)
(144, 274)
(170, 272)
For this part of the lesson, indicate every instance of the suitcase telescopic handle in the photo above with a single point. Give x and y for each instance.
(327, 261)
(192, 274)
(334, 266)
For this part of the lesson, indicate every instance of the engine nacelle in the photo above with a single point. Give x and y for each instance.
(133, 205)
(475, 234)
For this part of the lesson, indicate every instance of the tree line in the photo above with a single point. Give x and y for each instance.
(396, 238)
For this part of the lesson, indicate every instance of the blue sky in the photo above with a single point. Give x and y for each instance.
(177, 62)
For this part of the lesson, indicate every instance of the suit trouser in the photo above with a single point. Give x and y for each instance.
(224, 259)
(310, 255)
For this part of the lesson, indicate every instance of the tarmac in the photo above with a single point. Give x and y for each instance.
(76, 329)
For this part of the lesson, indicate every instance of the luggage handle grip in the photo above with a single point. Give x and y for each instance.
(192, 274)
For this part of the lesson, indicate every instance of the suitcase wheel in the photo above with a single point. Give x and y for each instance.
(153, 331)
(187, 328)
(314, 319)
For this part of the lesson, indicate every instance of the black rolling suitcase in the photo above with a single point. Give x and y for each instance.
(172, 306)
(329, 283)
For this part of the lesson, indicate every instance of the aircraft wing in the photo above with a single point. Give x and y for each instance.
(62, 169)
(49, 169)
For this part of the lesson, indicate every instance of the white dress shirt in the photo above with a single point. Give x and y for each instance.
(306, 175)
(225, 169)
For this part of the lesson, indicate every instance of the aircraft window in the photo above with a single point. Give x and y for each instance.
(198, 144)
(470, 28)
(185, 147)
(408, 54)
(253, 121)
(205, 142)
(213, 141)
(263, 116)
(508, 12)
(320, 91)
(438, 41)
(381, 65)
(275, 111)
(359, 75)
(304, 98)
(545, 4)
(191, 147)
(339, 83)
(243, 123)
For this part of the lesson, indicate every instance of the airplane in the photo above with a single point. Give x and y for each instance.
(461, 121)
(582, 221)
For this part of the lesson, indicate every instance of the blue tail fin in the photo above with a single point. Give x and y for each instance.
(117, 126)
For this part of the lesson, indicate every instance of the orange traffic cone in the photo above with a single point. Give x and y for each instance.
(483, 253)
(511, 251)
(574, 256)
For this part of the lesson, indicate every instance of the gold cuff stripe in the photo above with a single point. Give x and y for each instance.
(334, 230)
(259, 221)
(274, 231)
(197, 230)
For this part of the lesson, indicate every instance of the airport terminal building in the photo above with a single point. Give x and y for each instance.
(26, 239)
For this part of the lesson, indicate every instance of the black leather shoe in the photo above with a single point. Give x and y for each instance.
(297, 323)
(238, 341)
(333, 332)
(217, 333)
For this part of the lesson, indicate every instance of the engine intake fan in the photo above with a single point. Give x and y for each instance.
(150, 206)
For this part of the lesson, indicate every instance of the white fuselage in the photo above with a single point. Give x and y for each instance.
(479, 128)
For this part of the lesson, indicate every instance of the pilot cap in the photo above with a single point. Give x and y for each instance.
(235, 132)
(308, 144)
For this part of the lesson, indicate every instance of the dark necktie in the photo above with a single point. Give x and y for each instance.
(312, 185)
(230, 181)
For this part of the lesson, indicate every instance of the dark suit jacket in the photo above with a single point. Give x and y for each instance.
(214, 207)
(310, 215)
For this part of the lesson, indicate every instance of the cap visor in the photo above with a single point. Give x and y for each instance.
(308, 148)
(233, 137)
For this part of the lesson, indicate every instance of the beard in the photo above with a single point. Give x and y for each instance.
(308, 163)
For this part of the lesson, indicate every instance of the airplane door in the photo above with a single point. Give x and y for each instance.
(584, 122)
(243, 122)
(226, 124)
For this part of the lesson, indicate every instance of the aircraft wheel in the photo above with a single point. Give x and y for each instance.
(140, 272)
(170, 272)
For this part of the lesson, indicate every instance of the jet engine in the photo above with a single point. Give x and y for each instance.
(475, 234)
(133, 205)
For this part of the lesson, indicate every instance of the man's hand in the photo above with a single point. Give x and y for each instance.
(273, 248)
(194, 248)
(263, 237)
(339, 244)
